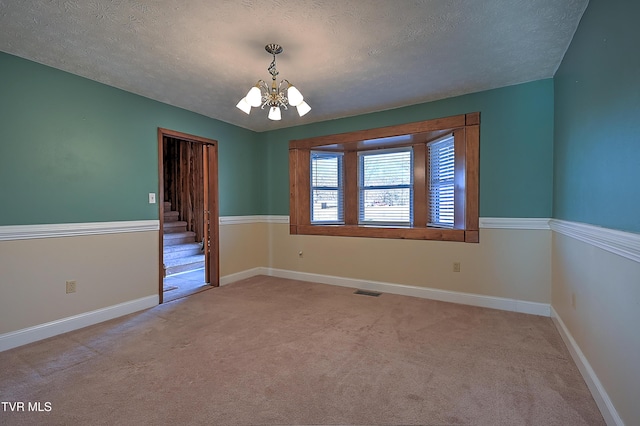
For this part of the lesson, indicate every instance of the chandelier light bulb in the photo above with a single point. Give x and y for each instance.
(294, 95)
(244, 106)
(254, 97)
(303, 108)
(275, 114)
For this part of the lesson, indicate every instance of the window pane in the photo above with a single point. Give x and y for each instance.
(386, 187)
(324, 169)
(327, 190)
(386, 169)
(441, 182)
(388, 205)
(325, 206)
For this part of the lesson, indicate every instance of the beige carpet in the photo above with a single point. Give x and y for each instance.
(273, 351)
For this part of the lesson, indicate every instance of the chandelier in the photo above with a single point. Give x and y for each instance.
(276, 96)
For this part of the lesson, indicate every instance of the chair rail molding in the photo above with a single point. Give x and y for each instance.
(534, 223)
(238, 220)
(625, 244)
(54, 230)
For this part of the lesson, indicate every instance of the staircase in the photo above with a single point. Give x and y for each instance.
(181, 251)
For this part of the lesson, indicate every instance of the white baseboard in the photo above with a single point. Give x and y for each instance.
(501, 303)
(43, 331)
(513, 305)
(533, 308)
(228, 279)
(600, 395)
(64, 325)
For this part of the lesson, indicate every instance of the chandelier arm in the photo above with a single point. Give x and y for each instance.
(264, 91)
(262, 85)
(282, 94)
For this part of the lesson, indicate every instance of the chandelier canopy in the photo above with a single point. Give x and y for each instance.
(276, 96)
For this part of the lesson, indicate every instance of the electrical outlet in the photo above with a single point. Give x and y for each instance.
(71, 286)
(456, 266)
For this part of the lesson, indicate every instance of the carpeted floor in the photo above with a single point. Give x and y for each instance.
(273, 351)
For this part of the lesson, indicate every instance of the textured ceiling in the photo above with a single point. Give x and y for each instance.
(346, 56)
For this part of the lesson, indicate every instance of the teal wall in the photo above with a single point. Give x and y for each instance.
(597, 120)
(516, 146)
(73, 150)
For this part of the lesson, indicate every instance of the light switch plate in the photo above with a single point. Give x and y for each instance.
(152, 198)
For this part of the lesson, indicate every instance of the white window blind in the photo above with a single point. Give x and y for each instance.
(441, 182)
(327, 188)
(386, 187)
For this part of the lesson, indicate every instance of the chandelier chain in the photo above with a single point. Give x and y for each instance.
(272, 68)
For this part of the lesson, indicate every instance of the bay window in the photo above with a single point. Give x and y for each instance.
(414, 181)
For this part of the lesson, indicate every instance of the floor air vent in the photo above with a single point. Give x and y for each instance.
(367, 293)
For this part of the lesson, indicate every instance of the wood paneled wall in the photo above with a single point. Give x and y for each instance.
(183, 182)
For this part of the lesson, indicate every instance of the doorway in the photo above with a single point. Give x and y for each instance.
(188, 195)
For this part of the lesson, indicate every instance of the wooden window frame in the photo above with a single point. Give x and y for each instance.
(466, 130)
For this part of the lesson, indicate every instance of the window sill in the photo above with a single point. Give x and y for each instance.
(435, 234)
